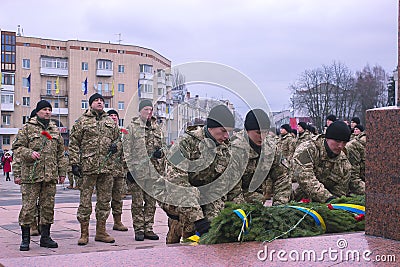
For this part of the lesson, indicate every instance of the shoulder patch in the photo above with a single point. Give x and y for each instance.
(304, 157)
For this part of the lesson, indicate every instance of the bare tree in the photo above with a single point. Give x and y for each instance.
(178, 86)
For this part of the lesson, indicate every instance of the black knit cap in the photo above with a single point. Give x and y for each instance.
(287, 128)
(113, 111)
(220, 116)
(331, 117)
(338, 130)
(145, 103)
(257, 119)
(33, 113)
(356, 120)
(303, 125)
(43, 104)
(359, 127)
(94, 97)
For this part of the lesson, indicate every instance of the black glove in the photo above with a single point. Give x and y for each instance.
(202, 226)
(113, 148)
(330, 199)
(129, 177)
(158, 153)
(76, 170)
(173, 217)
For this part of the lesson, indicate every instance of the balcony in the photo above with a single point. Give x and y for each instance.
(7, 107)
(107, 94)
(146, 76)
(104, 73)
(52, 93)
(161, 80)
(54, 72)
(60, 111)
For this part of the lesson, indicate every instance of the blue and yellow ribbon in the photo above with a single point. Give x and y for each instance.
(350, 207)
(194, 238)
(245, 222)
(317, 218)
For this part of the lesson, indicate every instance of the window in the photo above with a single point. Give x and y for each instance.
(147, 88)
(7, 99)
(85, 66)
(161, 73)
(121, 51)
(48, 87)
(121, 122)
(56, 103)
(8, 79)
(26, 101)
(54, 63)
(146, 68)
(160, 91)
(26, 63)
(107, 103)
(106, 87)
(99, 87)
(121, 105)
(104, 64)
(6, 119)
(121, 87)
(25, 119)
(6, 140)
(121, 68)
(84, 104)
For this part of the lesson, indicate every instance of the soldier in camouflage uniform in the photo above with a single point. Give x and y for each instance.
(321, 167)
(203, 158)
(286, 143)
(355, 150)
(263, 157)
(39, 153)
(303, 134)
(146, 161)
(94, 139)
(119, 179)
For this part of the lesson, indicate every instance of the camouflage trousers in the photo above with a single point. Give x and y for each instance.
(118, 190)
(103, 183)
(42, 193)
(143, 208)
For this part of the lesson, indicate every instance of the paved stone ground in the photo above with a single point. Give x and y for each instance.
(128, 252)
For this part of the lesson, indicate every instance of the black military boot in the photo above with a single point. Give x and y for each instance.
(45, 239)
(26, 238)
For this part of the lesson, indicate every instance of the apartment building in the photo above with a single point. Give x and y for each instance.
(66, 73)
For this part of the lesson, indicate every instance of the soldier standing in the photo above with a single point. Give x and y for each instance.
(143, 142)
(263, 157)
(94, 138)
(286, 142)
(355, 151)
(119, 180)
(39, 151)
(321, 167)
(205, 156)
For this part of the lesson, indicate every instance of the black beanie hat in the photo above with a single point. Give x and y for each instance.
(220, 116)
(43, 104)
(287, 128)
(33, 113)
(338, 130)
(356, 120)
(303, 125)
(256, 119)
(359, 127)
(145, 103)
(113, 111)
(94, 97)
(331, 117)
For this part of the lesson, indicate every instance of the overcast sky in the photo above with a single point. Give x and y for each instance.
(270, 41)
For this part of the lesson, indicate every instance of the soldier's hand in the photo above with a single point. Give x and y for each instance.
(113, 148)
(76, 170)
(158, 153)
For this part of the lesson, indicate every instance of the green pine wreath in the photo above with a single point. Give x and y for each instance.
(272, 222)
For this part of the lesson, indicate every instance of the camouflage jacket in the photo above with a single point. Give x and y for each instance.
(118, 159)
(267, 166)
(90, 140)
(319, 176)
(355, 151)
(286, 145)
(52, 163)
(301, 138)
(202, 172)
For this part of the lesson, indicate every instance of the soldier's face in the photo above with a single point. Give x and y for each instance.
(44, 113)
(335, 145)
(98, 104)
(114, 117)
(220, 134)
(146, 113)
(357, 131)
(257, 136)
(352, 124)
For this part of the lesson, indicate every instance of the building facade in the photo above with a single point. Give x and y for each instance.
(66, 73)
